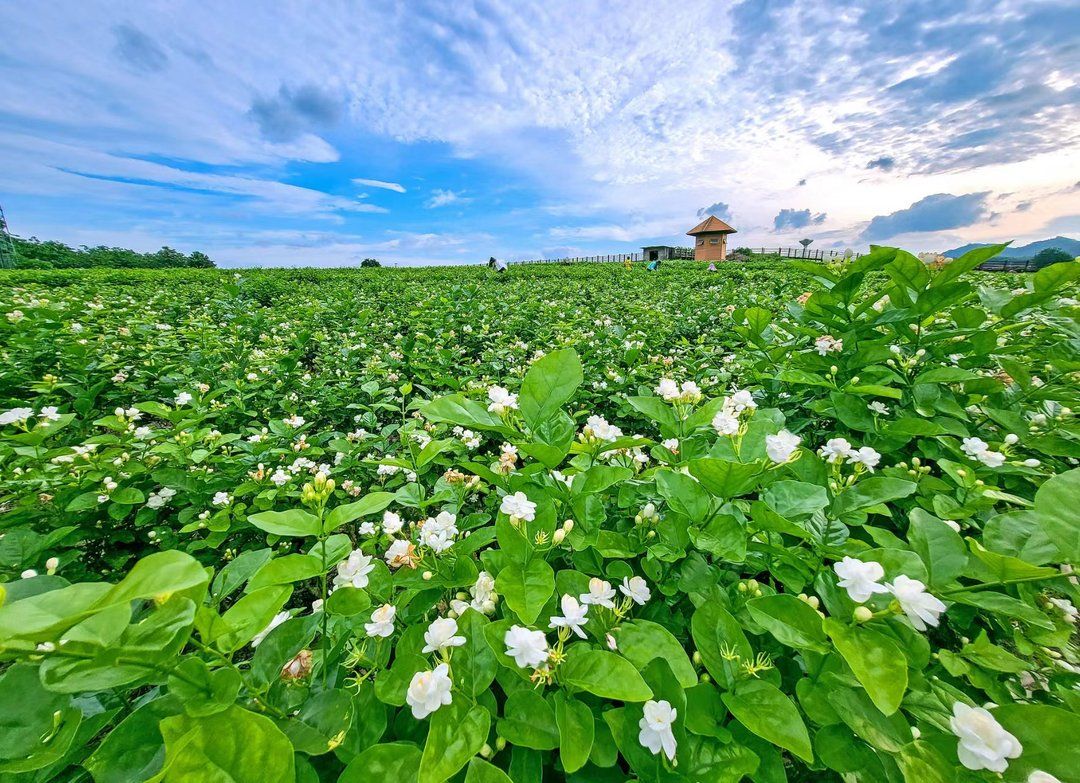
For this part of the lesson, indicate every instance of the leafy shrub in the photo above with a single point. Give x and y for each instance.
(820, 571)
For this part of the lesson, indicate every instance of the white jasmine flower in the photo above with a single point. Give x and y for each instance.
(671, 444)
(483, 593)
(353, 571)
(920, 606)
(861, 580)
(183, 398)
(656, 734)
(518, 505)
(222, 499)
(984, 743)
(668, 389)
(865, 456)
(835, 450)
(15, 416)
(278, 619)
(29, 573)
(391, 523)
(725, 423)
(781, 446)
(401, 553)
(442, 634)
(280, 478)
(501, 400)
(294, 421)
(879, 408)
(740, 400)
(973, 447)
(382, 621)
(636, 589)
(599, 428)
(428, 691)
(528, 648)
(49, 413)
(992, 459)
(573, 616)
(600, 593)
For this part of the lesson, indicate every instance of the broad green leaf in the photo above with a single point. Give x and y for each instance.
(940, 547)
(284, 570)
(641, 641)
(1056, 503)
(716, 634)
(550, 382)
(223, 746)
(391, 761)
(526, 589)
(529, 721)
(370, 504)
(294, 523)
(878, 663)
(792, 621)
(769, 713)
(723, 478)
(576, 731)
(604, 674)
(475, 663)
(456, 734)
(481, 771)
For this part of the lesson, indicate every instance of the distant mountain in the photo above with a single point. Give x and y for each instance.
(1070, 246)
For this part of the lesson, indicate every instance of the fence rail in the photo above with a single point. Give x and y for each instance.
(801, 253)
(688, 253)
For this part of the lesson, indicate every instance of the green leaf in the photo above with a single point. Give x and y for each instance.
(576, 731)
(202, 691)
(604, 674)
(456, 734)
(295, 523)
(475, 663)
(715, 631)
(391, 761)
(1048, 736)
(550, 382)
(767, 712)
(723, 478)
(871, 492)
(458, 409)
(370, 504)
(222, 748)
(656, 409)
(1056, 503)
(529, 721)
(878, 663)
(793, 622)
(965, 263)
(481, 771)
(284, 570)
(27, 711)
(641, 641)
(684, 495)
(526, 589)
(940, 547)
(135, 749)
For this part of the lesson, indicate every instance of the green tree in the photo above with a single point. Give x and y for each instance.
(1051, 255)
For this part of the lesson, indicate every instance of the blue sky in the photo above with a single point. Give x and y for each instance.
(292, 133)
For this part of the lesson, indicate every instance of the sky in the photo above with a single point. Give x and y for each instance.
(293, 133)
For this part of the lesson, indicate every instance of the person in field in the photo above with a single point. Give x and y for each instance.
(498, 264)
(628, 263)
(712, 268)
(653, 265)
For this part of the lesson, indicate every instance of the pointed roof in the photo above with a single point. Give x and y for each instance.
(711, 225)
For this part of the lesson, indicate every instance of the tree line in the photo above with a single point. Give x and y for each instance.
(32, 253)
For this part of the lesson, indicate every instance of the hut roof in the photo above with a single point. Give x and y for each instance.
(711, 225)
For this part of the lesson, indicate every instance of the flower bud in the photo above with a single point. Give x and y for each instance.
(427, 576)
(558, 537)
(863, 614)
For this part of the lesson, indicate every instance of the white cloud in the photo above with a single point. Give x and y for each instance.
(378, 183)
(445, 198)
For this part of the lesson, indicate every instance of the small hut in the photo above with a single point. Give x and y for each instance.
(710, 239)
(657, 253)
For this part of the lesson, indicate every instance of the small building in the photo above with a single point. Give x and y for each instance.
(710, 239)
(657, 253)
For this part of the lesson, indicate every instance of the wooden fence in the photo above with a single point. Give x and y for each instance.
(688, 253)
